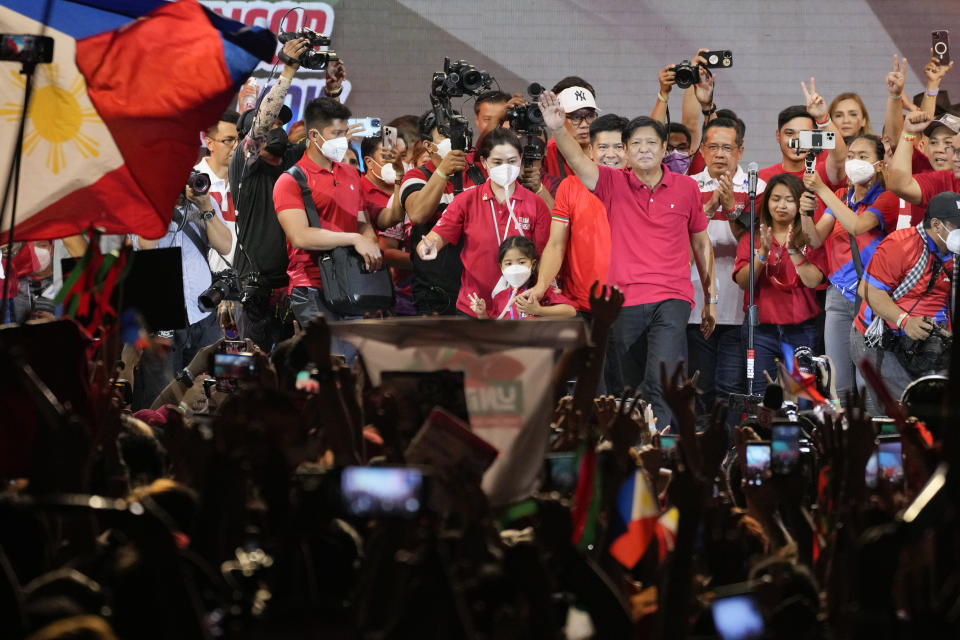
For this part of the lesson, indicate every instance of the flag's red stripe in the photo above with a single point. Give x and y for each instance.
(112, 202)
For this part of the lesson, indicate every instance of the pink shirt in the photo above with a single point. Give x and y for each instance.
(650, 233)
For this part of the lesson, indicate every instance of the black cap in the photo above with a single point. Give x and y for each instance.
(945, 207)
(246, 119)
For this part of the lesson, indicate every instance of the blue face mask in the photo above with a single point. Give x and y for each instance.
(677, 161)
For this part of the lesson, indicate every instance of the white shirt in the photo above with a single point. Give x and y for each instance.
(220, 191)
(730, 305)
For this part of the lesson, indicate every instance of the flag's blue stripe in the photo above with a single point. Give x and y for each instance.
(243, 46)
(87, 18)
(625, 498)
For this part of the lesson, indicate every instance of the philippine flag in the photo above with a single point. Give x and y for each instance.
(638, 508)
(112, 126)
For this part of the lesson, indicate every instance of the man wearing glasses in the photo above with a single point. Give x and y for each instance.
(723, 188)
(221, 140)
(578, 100)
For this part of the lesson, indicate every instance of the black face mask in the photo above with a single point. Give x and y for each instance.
(277, 142)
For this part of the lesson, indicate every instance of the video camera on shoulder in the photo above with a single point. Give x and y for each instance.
(312, 58)
(687, 74)
(460, 78)
(527, 121)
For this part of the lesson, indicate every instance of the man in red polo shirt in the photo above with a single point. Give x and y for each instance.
(906, 290)
(338, 197)
(578, 251)
(579, 103)
(920, 188)
(790, 122)
(656, 218)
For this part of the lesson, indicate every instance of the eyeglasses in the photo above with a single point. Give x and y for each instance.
(726, 148)
(579, 120)
(227, 141)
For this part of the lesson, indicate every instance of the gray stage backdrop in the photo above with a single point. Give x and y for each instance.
(392, 47)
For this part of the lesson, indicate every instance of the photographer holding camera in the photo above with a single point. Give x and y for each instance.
(196, 228)
(337, 195)
(425, 193)
(814, 116)
(903, 324)
(263, 155)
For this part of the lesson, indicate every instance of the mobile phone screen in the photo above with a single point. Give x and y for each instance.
(885, 426)
(737, 617)
(668, 443)
(561, 472)
(382, 491)
(234, 366)
(758, 462)
(784, 447)
(890, 460)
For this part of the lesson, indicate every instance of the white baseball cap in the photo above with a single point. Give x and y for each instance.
(576, 98)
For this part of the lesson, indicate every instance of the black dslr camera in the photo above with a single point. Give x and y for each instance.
(311, 58)
(460, 78)
(686, 74)
(250, 290)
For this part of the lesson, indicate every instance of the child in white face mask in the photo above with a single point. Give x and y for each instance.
(518, 262)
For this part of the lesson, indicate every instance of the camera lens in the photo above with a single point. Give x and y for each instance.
(213, 296)
(535, 115)
(472, 80)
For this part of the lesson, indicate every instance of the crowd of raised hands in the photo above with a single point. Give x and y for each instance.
(220, 516)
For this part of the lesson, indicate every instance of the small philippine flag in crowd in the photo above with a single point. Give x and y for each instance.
(112, 124)
(639, 510)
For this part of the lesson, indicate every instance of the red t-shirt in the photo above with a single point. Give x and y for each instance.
(587, 258)
(338, 197)
(552, 297)
(483, 223)
(697, 164)
(780, 296)
(553, 162)
(374, 200)
(821, 167)
(897, 254)
(931, 183)
(650, 233)
(21, 265)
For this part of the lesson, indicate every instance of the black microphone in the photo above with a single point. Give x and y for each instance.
(752, 170)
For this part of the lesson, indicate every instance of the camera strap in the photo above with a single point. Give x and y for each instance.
(190, 231)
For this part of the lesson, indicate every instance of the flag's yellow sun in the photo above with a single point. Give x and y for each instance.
(55, 116)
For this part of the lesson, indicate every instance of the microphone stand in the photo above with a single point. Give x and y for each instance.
(753, 315)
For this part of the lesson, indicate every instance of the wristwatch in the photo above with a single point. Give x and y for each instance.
(714, 300)
(185, 378)
(207, 215)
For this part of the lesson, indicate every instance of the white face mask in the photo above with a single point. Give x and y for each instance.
(953, 241)
(333, 149)
(517, 275)
(387, 173)
(859, 171)
(444, 148)
(504, 174)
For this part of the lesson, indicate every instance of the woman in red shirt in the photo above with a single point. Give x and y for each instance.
(786, 274)
(486, 215)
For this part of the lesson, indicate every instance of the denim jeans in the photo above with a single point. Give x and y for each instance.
(767, 339)
(836, 337)
(664, 325)
(720, 361)
(307, 303)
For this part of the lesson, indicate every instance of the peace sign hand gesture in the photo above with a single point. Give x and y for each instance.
(816, 105)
